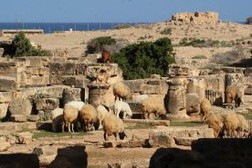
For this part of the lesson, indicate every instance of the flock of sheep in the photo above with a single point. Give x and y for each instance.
(110, 118)
(228, 124)
(91, 117)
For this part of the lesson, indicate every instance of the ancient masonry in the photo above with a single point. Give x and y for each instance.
(197, 17)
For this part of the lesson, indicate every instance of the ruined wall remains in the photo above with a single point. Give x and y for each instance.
(197, 17)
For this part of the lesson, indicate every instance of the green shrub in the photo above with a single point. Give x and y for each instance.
(96, 45)
(199, 57)
(166, 31)
(21, 46)
(141, 60)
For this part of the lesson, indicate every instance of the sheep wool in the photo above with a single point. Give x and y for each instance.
(57, 119)
(122, 107)
(113, 125)
(205, 108)
(89, 117)
(215, 121)
(153, 105)
(121, 91)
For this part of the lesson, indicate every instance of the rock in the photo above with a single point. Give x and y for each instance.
(109, 144)
(1, 51)
(23, 138)
(46, 104)
(7, 84)
(70, 94)
(192, 104)
(18, 118)
(33, 118)
(20, 106)
(4, 146)
(160, 139)
(185, 141)
(3, 109)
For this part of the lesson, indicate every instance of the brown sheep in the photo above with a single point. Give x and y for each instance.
(205, 108)
(106, 56)
(234, 93)
(215, 121)
(235, 125)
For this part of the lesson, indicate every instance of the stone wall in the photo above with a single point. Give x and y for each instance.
(197, 17)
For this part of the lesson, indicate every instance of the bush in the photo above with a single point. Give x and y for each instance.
(229, 57)
(249, 20)
(199, 57)
(141, 60)
(96, 45)
(21, 46)
(166, 31)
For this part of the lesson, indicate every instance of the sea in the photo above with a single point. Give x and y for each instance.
(56, 27)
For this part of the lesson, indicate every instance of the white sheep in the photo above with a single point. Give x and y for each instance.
(123, 108)
(112, 125)
(89, 117)
(70, 114)
(153, 105)
(121, 91)
(57, 118)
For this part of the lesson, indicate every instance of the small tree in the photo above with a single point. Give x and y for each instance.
(249, 20)
(146, 58)
(21, 46)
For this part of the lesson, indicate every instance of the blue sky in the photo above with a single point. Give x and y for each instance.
(117, 10)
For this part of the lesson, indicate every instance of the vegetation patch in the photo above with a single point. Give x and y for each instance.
(140, 126)
(43, 134)
(21, 46)
(140, 60)
(199, 57)
(166, 31)
(95, 45)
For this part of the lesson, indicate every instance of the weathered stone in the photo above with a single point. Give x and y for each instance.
(160, 139)
(75, 81)
(109, 144)
(192, 104)
(46, 104)
(24, 137)
(3, 109)
(6, 97)
(176, 104)
(1, 51)
(33, 118)
(185, 141)
(70, 94)
(20, 106)
(7, 84)
(196, 18)
(18, 118)
(130, 144)
(97, 93)
(4, 145)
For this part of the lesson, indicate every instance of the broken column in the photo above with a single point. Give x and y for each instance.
(97, 93)
(176, 104)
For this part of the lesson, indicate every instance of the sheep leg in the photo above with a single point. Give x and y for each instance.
(63, 126)
(105, 136)
(146, 115)
(69, 127)
(115, 135)
(72, 127)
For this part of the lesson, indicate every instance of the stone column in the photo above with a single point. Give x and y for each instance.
(97, 93)
(177, 98)
(198, 86)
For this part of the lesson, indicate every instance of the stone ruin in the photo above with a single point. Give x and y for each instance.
(196, 18)
(48, 84)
